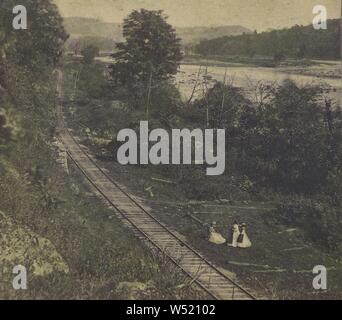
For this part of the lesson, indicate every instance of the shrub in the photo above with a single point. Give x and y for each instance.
(319, 220)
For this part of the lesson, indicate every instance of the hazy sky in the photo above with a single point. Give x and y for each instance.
(253, 14)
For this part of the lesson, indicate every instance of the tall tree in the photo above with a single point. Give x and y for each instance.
(41, 43)
(151, 52)
(27, 59)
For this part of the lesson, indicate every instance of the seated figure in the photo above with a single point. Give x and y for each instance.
(215, 237)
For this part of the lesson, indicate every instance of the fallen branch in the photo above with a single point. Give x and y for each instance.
(164, 181)
(270, 271)
(286, 270)
(288, 231)
(293, 249)
(246, 264)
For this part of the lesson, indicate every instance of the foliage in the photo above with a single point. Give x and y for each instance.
(222, 102)
(296, 42)
(41, 43)
(92, 81)
(76, 45)
(37, 196)
(165, 103)
(320, 221)
(89, 53)
(289, 140)
(5, 131)
(151, 52)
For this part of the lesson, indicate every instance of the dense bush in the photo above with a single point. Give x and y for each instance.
(288, 141)
(92, 81)
(89, 53)
(318, 219)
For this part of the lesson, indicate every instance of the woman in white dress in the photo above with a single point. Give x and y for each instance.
(215, 237)
(243, 239)
(236, 233)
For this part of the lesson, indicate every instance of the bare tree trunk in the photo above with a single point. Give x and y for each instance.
(328, 115)
(149, 96)
(77, 78)
(205, 94)
(2, 69)
(195, 86)
(223, 94)
(330, 126)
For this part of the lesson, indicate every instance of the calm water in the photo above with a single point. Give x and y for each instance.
(248, 77)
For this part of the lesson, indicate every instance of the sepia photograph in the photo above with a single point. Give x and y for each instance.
(170, 150)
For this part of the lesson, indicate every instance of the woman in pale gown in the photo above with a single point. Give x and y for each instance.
(243, 240)
(215, 237)
(236, 233)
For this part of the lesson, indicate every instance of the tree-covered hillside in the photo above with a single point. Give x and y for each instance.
(297, 42)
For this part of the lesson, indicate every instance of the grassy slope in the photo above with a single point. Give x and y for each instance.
(104, 260)
(280, 260)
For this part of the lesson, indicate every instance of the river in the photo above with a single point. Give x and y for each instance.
(248, 76)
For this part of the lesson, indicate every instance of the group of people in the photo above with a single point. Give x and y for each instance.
(239, 237)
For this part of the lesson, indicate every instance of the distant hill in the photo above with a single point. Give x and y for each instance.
(88, 27)
(193, 35)
(300, 42)
(105, 32)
